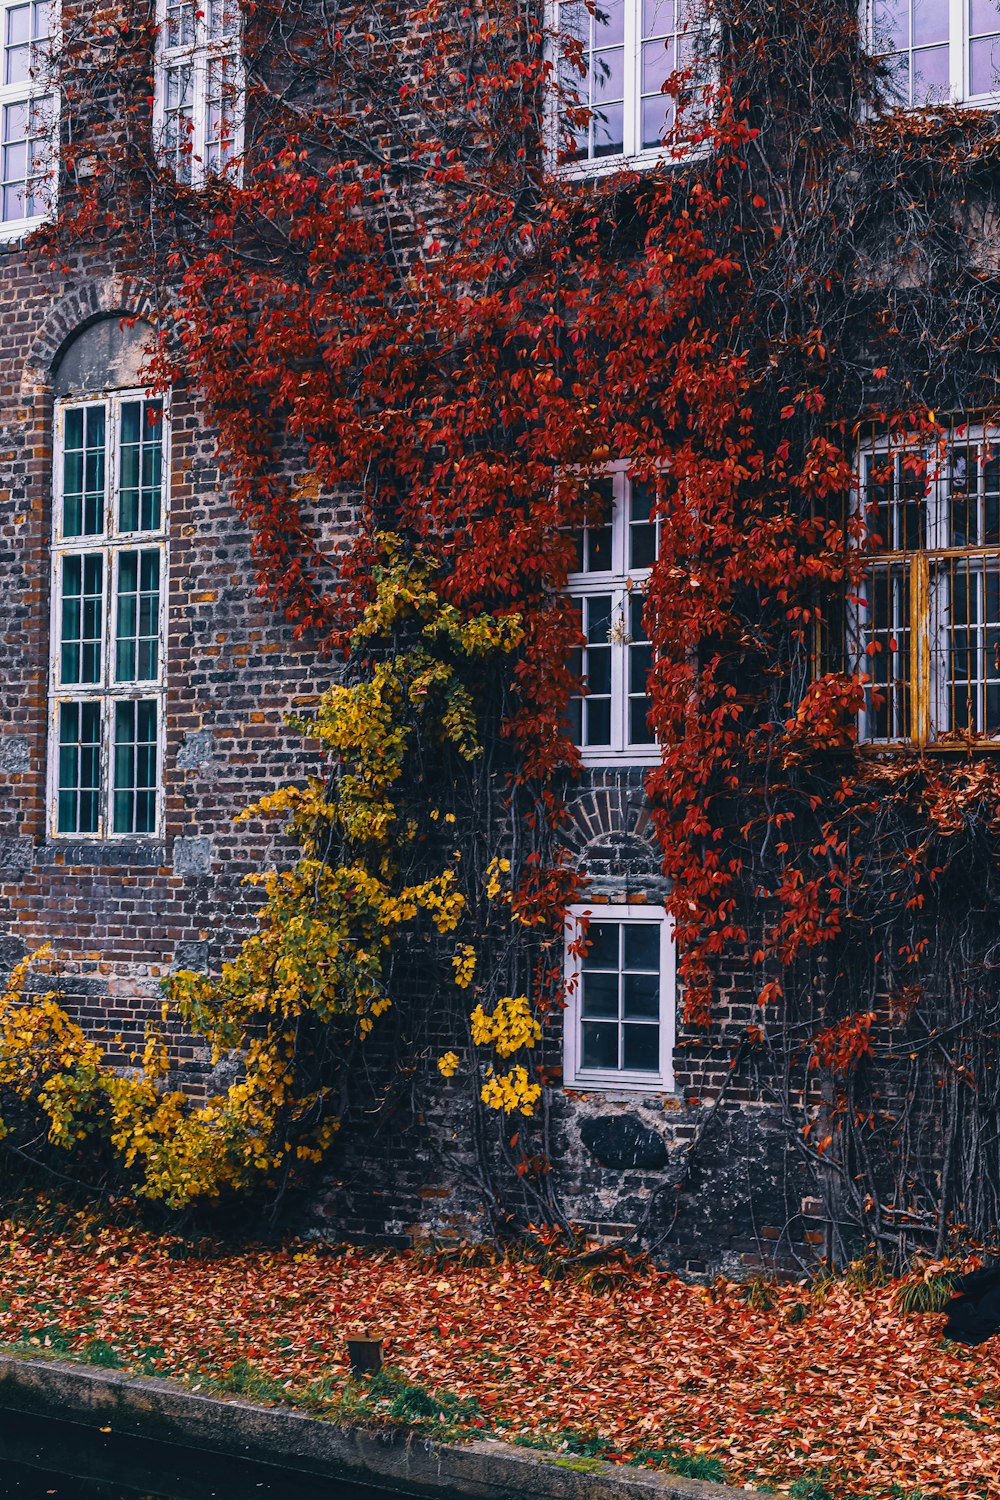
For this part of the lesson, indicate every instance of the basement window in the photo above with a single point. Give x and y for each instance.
(939, 51)
(924, 624)
(608, 718)
(200, 88)
(108, 630)
(621, 998)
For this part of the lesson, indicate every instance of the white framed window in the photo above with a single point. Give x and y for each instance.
(924, 622)
(613, 63)
(608, 719)
(109, 616)
(939, 51)
(28, 116)
(621, 998)
(200, 88)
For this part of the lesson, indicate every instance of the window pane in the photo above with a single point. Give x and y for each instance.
(79, 767)
(930, 21)
(640, 664)
(597, 731)
(135, 763)
(641, 997)
(608, 130)
(657, 66)
(600, 995)
(883, 652)
(82, 618)
(179, 119)
(931, 82)
(896, 500)
(17, 45)
(138, 616)
(991, 495)
(641, 1049)
(609, 76)
(966, 653)
(642, 945)
(609, 22)
(914, 39)
(963, 496)
(891, 25)
(598, 672)
(83, 471)
(600, 1045)
(642, 529)
(602, 951)
(25, 158)
(657, 120)
(221, 112)
(597, 611)
(140, 466)
(984, 65)
(658, 17)
(180, 27)
(598, 534)
(223, 19)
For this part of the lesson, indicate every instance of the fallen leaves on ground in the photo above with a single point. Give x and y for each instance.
(828, 1381)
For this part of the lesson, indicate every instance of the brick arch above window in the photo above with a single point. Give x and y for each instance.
(88, 303)
(611, 837)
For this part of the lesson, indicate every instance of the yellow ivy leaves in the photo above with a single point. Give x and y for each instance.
(513, 1092)
(309, 984)
(510, 1027)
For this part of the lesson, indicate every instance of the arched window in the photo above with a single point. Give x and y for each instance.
(109, 591)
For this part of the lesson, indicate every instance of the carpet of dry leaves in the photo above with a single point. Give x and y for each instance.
(832, 1382)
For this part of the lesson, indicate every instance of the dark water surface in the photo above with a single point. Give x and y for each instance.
(41, 1459)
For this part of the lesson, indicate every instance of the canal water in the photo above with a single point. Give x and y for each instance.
(45, 1460)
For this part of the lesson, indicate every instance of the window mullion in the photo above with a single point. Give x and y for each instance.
(630, 112)
(958, 51)
(618, 650)
(107, 767)
(920, 647)
(199, 105)
(111, 407)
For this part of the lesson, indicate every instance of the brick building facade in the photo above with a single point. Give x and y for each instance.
(119, 783)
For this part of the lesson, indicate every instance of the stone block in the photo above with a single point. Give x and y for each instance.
(15, 754)
(193, 856)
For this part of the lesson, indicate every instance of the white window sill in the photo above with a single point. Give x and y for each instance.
(639, 161)
(19, 229)
(990, 103)
(618, 1083)
(646, 755)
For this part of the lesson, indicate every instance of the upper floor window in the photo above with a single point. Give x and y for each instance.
(109, 591)
(939, 50)
(609, 718)
(27, 116)
(626, 49)
(621, 997)
(200, 87)
(924, 624)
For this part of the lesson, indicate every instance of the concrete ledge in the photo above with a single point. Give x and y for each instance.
(397, 1459)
